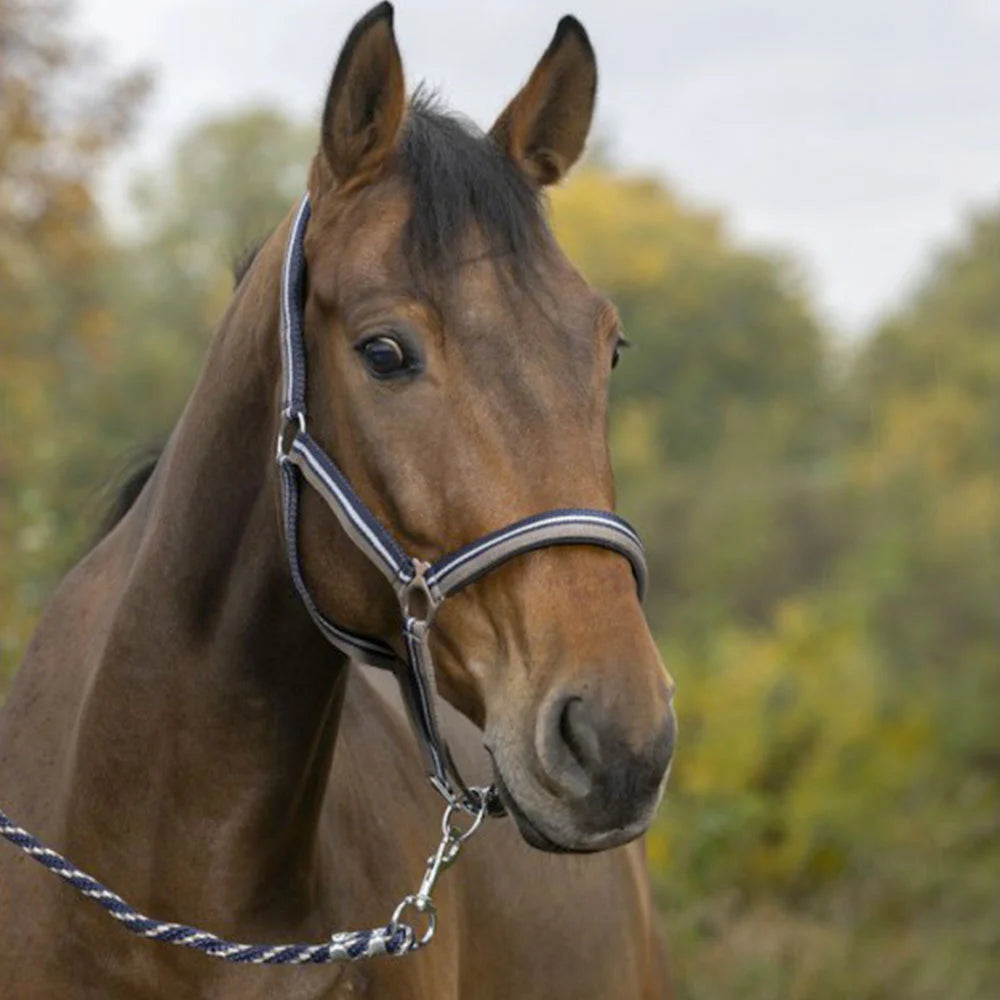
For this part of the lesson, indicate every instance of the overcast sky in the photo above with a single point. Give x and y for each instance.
(850, 133)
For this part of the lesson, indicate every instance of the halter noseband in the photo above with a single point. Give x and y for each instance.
(420, 587)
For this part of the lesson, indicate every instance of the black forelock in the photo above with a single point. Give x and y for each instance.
(461, 179)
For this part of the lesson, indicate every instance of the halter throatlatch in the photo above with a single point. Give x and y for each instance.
(420, 587)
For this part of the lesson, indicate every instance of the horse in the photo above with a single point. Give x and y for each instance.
(182, 730)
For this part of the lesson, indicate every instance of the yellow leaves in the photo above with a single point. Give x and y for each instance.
(785, 740)
(96, 328)
(724, 711)
(932, 441)
(634, 443)
(804, 680)
(57, 121)
(658, 848)
(922, 430)
(623, 232)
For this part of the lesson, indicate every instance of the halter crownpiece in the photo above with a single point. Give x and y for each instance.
(300, 457)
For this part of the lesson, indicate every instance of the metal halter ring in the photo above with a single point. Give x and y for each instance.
(422, 904)
(455, 833)
(293, 421)
(416, 598)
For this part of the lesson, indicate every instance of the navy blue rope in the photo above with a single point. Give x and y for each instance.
(393, 939)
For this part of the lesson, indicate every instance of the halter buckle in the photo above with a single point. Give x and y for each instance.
(293, 423)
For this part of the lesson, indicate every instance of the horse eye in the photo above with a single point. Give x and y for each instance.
(384, 356)
(620, 346)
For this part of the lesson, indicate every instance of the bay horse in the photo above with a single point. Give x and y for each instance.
(180, 728)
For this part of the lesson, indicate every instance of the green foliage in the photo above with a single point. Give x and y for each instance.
(228, 182)
(58, 122)
(818, 840)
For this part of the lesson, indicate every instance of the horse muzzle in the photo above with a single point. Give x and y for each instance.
(583, 786)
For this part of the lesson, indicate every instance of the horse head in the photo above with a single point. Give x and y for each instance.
(459, 370)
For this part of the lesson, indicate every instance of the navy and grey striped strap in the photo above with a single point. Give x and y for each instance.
(556, 527)
(364, 648)
(301, 457)
(360, 524)
(293, 345)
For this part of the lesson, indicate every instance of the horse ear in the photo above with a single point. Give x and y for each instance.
(545, 127)
(365, 103)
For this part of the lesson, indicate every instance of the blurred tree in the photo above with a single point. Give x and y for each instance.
(926, 440)
(832, 822)
(926, 461)
(58, 120)
(226, 184)
(722, 335)
(229, 181)
(721, 411)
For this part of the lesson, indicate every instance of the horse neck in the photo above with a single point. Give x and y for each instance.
(214, 706)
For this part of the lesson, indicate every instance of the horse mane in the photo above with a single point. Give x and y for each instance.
(244, 261)
(129, 486)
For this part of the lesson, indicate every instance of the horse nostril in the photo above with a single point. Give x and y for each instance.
(585, 755)
(579, 733)
(600, 748)
(566, 748)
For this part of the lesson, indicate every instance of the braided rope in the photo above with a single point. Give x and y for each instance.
(393, 939)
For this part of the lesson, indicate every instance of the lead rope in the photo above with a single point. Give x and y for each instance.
(398, 937)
